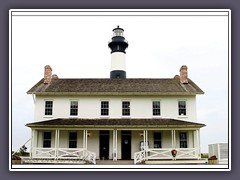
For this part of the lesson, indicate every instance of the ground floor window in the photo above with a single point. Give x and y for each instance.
(183, 139)
(72, 140)
(47, 136)
(157, 140)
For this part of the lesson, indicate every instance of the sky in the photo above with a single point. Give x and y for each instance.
(77, 47)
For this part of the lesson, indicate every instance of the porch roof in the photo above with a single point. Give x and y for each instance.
(112, 122)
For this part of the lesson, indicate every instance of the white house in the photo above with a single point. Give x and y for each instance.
(115, 118)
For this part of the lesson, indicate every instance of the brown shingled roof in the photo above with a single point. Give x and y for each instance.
(75, 122)
(116, 87)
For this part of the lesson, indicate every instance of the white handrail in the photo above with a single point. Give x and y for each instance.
(139, 157)
(90, 157)
(165, 153)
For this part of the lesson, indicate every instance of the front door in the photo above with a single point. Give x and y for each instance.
(126, 144)
(104, 144)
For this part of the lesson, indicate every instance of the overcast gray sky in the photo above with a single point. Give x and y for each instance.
(77, 47)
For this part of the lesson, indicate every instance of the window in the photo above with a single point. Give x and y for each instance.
(157, 142)
(156, 108)
(182, 108)
(126, 108)
(104, 108)
(73, 108)
(183, 139)
(48, 107)
(72, 140)
(47, 139)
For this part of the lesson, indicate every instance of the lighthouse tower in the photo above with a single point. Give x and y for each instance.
(118, 45)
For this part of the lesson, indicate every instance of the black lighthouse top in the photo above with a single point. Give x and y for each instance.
(118, 43)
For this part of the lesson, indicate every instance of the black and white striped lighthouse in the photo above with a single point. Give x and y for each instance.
(118, 45)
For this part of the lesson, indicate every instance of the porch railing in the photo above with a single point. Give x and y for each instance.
(165, 153)
(139, 157)
(64, 154)
(70, 153)
(90, 157)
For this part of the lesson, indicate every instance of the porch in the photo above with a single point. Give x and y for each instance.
(141, 140)
(137, 145)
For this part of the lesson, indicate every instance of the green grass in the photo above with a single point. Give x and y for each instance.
(204, 155)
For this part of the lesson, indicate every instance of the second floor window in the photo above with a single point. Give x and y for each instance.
(156, 108)
(73, 108)
(104, 108)
(182, 108)
(126, 108)
(48, 107)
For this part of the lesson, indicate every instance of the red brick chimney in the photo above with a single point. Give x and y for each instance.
(47, 74)
(183, 75)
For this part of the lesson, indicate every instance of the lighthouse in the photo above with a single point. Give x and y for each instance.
(118, 45)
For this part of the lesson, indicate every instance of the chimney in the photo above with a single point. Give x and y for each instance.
(54, 76)
(183, 75)
(47, 74)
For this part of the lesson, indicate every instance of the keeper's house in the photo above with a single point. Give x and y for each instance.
(115, 118)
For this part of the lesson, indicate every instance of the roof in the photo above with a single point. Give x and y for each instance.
(116, 87)
(106, 122)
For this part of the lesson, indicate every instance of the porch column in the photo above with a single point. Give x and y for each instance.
(198, 143)
(56, 142)
(173, 139)
(144, 139)
(115, 144)
(58, 137)
(32, 143)
(86, 139)
(146, 144)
